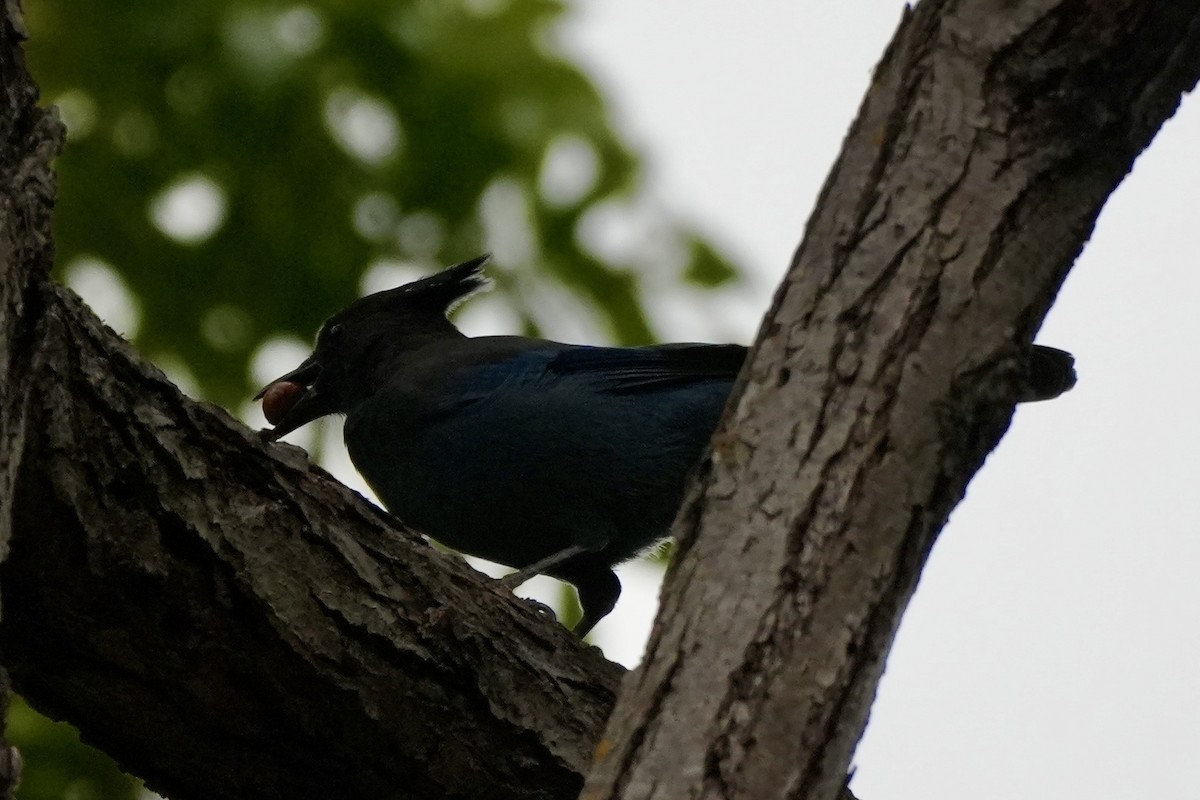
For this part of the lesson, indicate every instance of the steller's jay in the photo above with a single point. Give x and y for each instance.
(547, 457)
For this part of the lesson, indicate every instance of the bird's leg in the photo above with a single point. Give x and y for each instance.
(538, 567)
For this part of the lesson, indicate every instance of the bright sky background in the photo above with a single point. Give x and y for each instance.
(1053, 648)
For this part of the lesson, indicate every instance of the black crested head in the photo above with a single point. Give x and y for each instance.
(362, 345)
(436, 294)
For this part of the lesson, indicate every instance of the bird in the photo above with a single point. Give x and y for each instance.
(550, 458)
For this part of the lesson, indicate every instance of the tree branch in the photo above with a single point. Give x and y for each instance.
(990, 138)
(226, 620)
(218, 614)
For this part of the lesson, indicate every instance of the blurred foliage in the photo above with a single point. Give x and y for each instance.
(241, 166)
(60, 767)
(284, 148)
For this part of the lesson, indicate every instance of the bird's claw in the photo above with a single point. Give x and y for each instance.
(541, 608)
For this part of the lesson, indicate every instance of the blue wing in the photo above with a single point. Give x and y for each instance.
(632, 370)
(607, 370)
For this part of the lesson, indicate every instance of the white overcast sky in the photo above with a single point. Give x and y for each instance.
(1053, 648)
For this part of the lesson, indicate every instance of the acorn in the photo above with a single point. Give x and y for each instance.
(279, 398)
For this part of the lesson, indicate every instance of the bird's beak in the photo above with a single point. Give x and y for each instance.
(293, 399)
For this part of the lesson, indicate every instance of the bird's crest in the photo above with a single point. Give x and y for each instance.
(417, 303)
(444, 290)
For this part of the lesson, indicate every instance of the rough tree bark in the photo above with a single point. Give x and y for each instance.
(990, 138)
(218, 614)
(227, 621)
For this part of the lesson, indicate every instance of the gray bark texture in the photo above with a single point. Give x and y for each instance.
(990, 138)
(227, 621)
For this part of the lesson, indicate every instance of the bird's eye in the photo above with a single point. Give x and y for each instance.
(334, 331)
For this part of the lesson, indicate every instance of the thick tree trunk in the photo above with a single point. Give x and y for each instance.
(989, 140)
(227, 621)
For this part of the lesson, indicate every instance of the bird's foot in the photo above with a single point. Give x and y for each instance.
(541, 608)
(511, 582)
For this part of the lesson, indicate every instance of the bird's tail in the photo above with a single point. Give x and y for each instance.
(1050, 372)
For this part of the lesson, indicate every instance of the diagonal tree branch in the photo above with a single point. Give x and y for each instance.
(218, 614)
(226, 620)
(990, 138)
